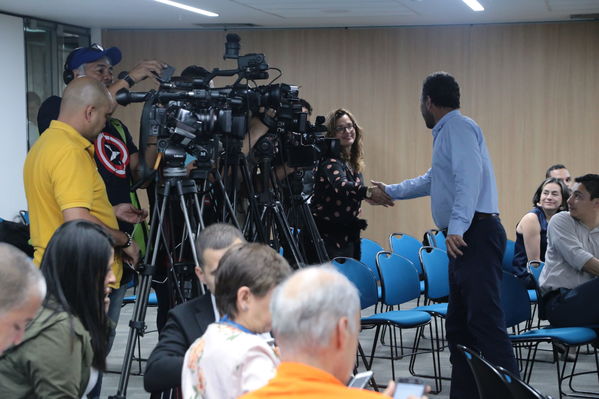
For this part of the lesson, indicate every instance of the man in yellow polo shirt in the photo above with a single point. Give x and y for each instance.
(61, 178)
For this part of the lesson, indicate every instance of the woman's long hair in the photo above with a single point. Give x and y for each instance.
(355, 157)
(75, 266)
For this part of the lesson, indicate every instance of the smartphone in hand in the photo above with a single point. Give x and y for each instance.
(360, 380)
(405, 387)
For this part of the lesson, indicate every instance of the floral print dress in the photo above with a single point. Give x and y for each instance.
(226, 363)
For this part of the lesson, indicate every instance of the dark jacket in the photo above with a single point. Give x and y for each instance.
(186, 323)
(50, 362)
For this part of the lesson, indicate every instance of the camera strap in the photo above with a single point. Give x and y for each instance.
(139, 235)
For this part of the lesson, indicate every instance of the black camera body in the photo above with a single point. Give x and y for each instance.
(190, 117)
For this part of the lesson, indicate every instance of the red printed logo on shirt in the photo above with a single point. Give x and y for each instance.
(113, 154)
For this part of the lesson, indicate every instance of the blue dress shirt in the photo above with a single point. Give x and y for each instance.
(460, 181)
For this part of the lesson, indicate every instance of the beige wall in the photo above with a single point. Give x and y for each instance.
(533, 88)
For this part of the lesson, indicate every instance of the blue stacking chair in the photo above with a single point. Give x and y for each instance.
(152, 299)
(365, 281)
(516, 308)
(400, 284)
(508, 256)
(369, 249)
(534, 267)
(408, 247)
(436, 239)
(435, 265)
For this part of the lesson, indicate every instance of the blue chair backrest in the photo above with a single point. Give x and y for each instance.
(399, 279)
(369, 249)
(435, 264)
(514, 300)
(436, 239)
(535, 267)
(440, 241)
(406, 246)
(508, 256)
(362, 277)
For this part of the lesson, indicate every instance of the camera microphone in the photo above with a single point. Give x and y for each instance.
(232, 46)
(125, 97)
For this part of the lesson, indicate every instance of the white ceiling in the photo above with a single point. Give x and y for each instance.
(148, 14)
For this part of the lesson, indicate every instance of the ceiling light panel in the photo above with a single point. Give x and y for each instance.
(312, 8)
(573, 5)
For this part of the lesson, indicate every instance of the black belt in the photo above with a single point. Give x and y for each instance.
(477, 216)
(481, 215)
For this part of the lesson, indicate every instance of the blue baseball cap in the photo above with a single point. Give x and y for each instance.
(83, 55)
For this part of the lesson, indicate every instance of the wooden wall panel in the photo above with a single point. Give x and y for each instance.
(533, 88)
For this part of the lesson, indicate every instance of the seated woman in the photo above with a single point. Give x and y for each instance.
(66, 343)
(232, 358)
(339, 189)
(531, 232)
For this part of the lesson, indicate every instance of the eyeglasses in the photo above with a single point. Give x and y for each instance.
(342, 128)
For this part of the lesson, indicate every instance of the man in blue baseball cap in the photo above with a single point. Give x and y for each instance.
(96, 62)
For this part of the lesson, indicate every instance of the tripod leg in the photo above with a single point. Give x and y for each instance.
(285, 231)
(226, 200)
(137, 323)
(191, 236)
(254, 209)
(310, 225)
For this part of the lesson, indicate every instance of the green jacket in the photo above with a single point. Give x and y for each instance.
(51, 362)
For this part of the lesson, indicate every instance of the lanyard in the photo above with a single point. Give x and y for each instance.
(226, 320)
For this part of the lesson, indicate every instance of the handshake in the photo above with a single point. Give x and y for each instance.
(376, 195)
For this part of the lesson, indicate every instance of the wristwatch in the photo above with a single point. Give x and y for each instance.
(369, 191)
(129, 80)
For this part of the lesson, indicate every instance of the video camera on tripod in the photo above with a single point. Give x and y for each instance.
(190, 117)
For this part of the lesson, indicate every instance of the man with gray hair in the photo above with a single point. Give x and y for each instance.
(188, 321)
(316, 322)
(22, 291)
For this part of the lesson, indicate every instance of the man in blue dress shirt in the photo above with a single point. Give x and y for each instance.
(461, 183)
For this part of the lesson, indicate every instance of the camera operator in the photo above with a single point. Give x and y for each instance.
(339, 189)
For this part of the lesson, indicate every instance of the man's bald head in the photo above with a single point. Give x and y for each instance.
(86, 103)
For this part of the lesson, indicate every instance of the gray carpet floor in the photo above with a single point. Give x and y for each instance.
(544, 375)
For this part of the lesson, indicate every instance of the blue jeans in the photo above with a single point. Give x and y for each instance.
(114, 311)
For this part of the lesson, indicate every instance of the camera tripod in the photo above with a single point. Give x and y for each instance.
(272, 217)
(305, 230)
(175, 185)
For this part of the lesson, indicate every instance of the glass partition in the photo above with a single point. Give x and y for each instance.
(47, 45)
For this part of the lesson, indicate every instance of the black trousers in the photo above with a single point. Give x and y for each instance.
(475, 317)
(576, 307)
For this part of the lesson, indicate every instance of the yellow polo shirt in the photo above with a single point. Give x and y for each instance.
(60, 173)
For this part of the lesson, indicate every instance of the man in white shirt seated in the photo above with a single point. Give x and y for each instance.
(189, 320)
(569, 280)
